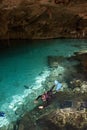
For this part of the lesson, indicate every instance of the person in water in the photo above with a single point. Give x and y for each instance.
(45, 97)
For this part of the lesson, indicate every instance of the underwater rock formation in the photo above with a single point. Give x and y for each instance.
(54, 61)
(82, 62)
(26, 123)
(65, 119)
(75, 79)
(81, 56)
(65, 110)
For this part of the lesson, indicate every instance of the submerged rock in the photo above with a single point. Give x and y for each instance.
(26, 123)
(82, 57)
(54, 61)
(66, 118)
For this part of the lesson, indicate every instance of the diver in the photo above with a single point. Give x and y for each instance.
(45, 97)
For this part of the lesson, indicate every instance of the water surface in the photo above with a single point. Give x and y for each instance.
(24, 66)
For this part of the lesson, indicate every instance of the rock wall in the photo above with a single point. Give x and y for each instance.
(43, 19)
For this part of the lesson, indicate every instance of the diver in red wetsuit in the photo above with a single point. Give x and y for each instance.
(46, 98)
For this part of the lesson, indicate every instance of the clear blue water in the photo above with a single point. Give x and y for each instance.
(26, 64)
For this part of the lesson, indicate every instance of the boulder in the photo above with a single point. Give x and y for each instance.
(54, 61)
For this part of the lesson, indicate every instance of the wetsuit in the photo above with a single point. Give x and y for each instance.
(46, 97)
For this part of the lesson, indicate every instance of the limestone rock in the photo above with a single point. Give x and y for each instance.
(31, 19)
(64, 119)
(81, 56)
(54, 61)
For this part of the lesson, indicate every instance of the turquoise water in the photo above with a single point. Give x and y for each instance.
(26, 65)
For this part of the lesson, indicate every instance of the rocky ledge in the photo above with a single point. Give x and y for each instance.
(26, 19)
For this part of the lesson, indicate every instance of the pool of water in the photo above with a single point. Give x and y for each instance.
(23, 67)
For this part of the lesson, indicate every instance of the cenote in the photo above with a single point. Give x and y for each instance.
(23, 69)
